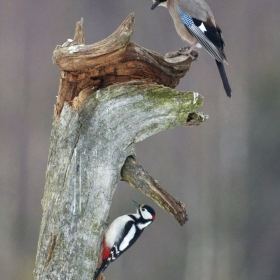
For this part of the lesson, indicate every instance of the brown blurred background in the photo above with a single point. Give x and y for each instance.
(227, 170)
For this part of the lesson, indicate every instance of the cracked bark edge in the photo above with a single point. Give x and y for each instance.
(87, 68)
(51, 249)
(74, 48)
(134, 174)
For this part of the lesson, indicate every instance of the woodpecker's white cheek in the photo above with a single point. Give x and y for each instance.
(128, 238)
(146, 215)
(141, 226)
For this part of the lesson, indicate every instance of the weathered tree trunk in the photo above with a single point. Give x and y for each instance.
(108, 101)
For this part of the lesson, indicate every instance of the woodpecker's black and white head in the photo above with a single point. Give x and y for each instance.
(122, 234)
(144, 216)
(158, 3)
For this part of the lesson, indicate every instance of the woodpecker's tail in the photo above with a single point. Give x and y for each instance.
(102, 267)
(224, 78)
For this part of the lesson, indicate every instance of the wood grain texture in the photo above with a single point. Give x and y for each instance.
(112, 60)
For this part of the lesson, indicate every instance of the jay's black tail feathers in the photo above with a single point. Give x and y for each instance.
(223, 74)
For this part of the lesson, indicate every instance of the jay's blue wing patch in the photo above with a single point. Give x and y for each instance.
(206, 34)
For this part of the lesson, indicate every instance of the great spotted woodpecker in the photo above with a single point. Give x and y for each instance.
(122, 234)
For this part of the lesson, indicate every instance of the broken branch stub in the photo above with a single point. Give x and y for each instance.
(140, 179)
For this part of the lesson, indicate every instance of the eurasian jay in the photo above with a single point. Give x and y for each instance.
(195, 23)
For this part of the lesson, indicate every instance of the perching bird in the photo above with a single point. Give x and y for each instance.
(122, 234)
(195, 23)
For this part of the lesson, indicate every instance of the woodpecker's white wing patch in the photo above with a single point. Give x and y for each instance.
(128, 238)
(146, 214)
(117, 251)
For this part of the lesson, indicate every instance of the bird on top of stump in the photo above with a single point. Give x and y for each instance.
(195, 23)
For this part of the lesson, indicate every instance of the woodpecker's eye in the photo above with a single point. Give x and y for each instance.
(143, 209)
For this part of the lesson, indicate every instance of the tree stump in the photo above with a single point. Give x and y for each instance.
(112, 94)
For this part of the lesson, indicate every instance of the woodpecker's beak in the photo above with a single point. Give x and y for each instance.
(155, 5)
(136, 204)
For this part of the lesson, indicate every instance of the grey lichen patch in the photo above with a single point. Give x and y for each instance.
(189, 104)
(161, 94)
(156, 95)
(95, 228)
(171, 100)
(166, 96)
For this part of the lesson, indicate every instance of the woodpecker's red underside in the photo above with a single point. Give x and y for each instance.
(106, 251)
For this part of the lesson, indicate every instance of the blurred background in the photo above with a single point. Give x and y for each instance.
(226, 171)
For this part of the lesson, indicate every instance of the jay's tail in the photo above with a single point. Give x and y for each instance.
(223, 75)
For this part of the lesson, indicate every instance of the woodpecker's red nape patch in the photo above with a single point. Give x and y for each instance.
(106, 250)
(153, 217)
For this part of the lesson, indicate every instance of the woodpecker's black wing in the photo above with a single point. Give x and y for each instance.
(130, 234)
(126, 239)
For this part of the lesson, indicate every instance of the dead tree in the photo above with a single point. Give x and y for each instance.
(112, 94)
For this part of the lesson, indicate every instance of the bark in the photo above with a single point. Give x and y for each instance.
(108, 101)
